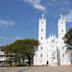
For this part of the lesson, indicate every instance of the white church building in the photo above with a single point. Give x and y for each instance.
(52, 50)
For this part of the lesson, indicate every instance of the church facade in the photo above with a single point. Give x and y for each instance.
(52, 50)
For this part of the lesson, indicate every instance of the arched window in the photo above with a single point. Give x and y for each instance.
(62, 30)
(36, 55)
(61, 22)
(41, 55)
(63, 55)
(47, 55)
(42, 30)
(41, 47)
(41, 38)
(41, 22)
(63, 48)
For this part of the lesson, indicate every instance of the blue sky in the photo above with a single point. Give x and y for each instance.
(19, 18)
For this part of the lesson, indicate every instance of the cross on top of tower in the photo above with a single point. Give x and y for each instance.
(62, 17)
(43, 16)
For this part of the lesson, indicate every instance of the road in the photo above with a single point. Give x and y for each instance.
(37, 69)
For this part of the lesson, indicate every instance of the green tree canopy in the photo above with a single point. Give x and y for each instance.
(68, 39)
(22, 49)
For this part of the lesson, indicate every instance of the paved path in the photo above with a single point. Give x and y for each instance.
(37, 69)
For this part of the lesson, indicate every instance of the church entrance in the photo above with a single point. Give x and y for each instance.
(47, 63)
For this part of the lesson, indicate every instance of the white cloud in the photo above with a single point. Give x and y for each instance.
(36, 4)
(39, 7)
(18, 38)
(69, 16)
(6, 23)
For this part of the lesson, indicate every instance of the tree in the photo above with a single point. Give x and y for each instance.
(29, 46)
(22, 49)
(68, 41)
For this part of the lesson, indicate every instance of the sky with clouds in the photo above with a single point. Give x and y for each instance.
(19, 18)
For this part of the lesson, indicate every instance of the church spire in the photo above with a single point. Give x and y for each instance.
(61, 27)
(42, 28)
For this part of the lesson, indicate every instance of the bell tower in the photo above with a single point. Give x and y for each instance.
(42, 29)
(61, 27)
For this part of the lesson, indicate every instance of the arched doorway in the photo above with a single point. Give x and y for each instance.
(47, 63)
